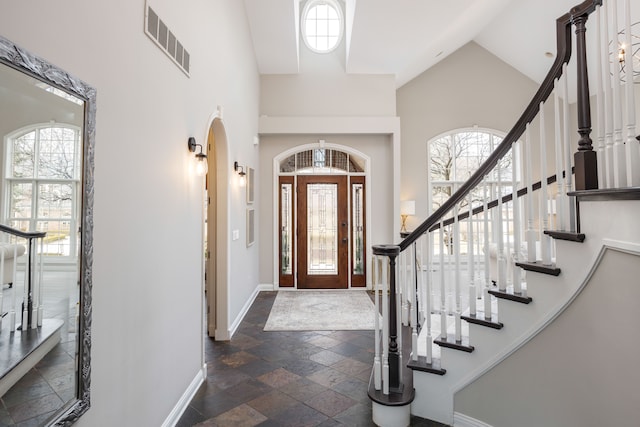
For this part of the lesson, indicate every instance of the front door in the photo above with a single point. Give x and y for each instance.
(323, 232)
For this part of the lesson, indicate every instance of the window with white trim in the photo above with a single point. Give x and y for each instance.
(322, 25)
(452, 158)
(42, 184)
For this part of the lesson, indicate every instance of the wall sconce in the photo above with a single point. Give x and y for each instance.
(241, 173)
(407, 207)
(201, 165)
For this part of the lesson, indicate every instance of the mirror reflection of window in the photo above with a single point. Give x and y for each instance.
(42, 181)
(46, 184)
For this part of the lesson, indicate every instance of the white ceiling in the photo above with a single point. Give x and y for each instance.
(406, 37)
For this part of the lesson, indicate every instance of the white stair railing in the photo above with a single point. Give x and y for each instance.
(21, 252)
(618, 148)
(449, 273)
(442, 278)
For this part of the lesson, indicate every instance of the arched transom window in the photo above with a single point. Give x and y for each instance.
(322, 161)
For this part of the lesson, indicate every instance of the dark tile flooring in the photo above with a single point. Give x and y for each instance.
(38, 396)
(293, 379)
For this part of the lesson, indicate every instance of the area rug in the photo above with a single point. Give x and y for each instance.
(321, 311)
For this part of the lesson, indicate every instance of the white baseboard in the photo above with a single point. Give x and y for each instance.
(247, 305)
(461, 420)
(264, 287)
(186, 397)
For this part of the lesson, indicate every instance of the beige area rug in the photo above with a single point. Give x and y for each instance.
(321, 311)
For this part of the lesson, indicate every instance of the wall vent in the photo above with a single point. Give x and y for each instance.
(158, 31)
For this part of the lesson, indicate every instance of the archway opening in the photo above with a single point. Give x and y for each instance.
(216, 235)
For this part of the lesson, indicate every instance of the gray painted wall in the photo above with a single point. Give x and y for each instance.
(147, 297)
(470, 87)
(578, 372)
(377, 147)
(333, 95)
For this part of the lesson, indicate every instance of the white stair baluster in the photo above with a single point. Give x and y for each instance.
(633, 150)
(602, 161)
(429, 291)
(487, 257)
(1, 291)
(560, 223)
(404, 278)
(443, 290)
(12, 310)
(385, 325)
(608, 102)
(414, 309)
(517, 243)
(470, 254)
(399, 333)
(40, 283)
(508, 271)
(376, 270)
(619, 151)
(545, 240)
(457, 278)
(531, 232)
(25, 294)
(499, 234)
(568, 178)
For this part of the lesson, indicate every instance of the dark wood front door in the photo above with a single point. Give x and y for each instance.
(323, 232)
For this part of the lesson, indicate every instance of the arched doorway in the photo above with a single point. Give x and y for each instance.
(216, 238)
(321, 231)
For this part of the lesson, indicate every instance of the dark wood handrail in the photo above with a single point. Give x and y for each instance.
(20, 233)
(563, 47)
(492, 204)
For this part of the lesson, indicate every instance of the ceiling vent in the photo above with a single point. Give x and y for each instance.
(158, 31)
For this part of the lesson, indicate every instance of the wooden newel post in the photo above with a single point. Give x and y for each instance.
(392, 252)
(586, 163)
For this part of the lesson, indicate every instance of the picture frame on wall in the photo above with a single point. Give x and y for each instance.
(251, 226)
(250, 185)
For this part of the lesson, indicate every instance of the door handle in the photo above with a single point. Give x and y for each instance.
(344, 240)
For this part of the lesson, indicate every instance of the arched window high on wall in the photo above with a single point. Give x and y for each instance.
(452, 157)
(42, 180)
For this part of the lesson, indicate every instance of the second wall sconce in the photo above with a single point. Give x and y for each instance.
(201, 165)
(241, 173)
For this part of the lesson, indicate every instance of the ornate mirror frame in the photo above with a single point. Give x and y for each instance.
(21, 60)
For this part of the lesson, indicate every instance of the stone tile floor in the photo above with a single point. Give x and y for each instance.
(297, 379)
(38, 396)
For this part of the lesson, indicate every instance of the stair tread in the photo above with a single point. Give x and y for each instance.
(566, 235)
(479, 319)
(450, 342)
(539, 267)
(511, 296)
(422, 365)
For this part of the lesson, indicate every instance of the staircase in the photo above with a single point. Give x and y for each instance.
(467, 311)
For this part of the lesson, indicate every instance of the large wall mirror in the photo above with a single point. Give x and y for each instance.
(47, 127)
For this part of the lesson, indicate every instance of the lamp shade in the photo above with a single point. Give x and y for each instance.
(408, 207)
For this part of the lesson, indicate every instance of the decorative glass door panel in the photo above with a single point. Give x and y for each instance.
(322, 229)
(358, 232)
(323, 235)
(287, 240)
